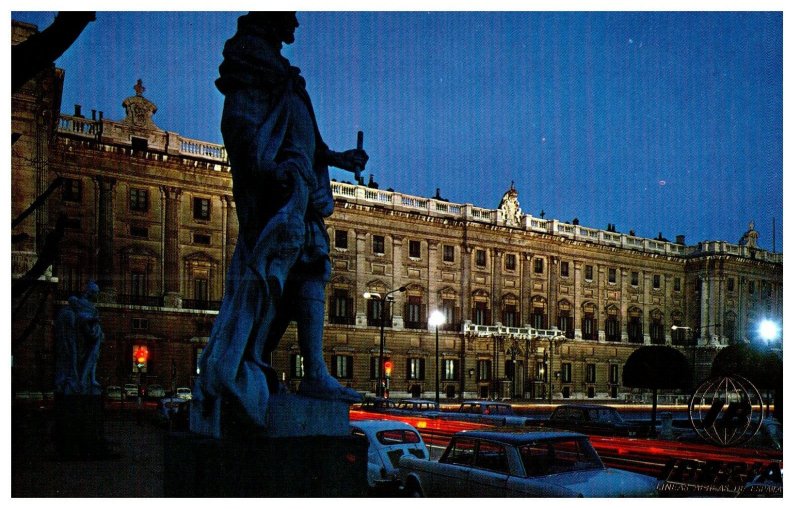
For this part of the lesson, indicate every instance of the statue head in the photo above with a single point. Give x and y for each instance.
(92, 291)
(276, 26)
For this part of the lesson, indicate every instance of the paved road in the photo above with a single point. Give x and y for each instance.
(36, 471)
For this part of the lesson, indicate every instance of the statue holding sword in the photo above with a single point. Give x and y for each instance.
(281, 187)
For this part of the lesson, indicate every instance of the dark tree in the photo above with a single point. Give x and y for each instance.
(762, 367)
(656, 367)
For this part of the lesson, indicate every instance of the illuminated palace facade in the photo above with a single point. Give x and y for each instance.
(534, 308)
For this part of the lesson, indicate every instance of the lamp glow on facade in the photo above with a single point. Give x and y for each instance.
(436, 319)
(768, 330)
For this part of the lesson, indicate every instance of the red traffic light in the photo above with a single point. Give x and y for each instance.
(140, 355)
(387, 366)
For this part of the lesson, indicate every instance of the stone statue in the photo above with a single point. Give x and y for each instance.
(510, 211)
(78, 339)
(282, 191)
(750, 237)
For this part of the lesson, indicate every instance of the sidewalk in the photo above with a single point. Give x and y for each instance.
(36, 471)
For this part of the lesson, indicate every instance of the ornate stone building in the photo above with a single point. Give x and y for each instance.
(534, 307)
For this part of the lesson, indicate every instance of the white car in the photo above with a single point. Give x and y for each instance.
(155, 391)
(131, 390)
(520, 464)
(388, 442)
(183, 393)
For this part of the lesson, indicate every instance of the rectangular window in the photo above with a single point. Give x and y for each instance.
(449, 311)
(480, 314)
(343, 366)
(449, 369)
(377, 244)
(341, 306)
(751, 287)
(71, 190)
(414, 313)
(634, 279)
(139, 231)
(480, 257)
(538, 265)
(541, 371)
(374, 313)
(296, 366)
(202, 239)
(656, 281)
(676, 285)
(511, 262)
(415, 368)
(201, 289)
(202, 209)
(414, 249)
(510, 316)
(138, 284)
(591, 373)
(139, 323)
(484, 370)
(612, 275)
(566, 372)
(730, 284)
(589, 273)
(340, 239)
(613, 373)
(449, 253)
(139, 200)
(564, 269)
(538, 321)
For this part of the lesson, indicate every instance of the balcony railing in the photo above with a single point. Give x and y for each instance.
(140, 300)
(202, 304)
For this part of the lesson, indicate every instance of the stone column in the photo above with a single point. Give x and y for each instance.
(105, 238)
(578, 275)
(398, 278)
(361, 277)
(433, 263)
(466, 283)
(172, 272)
(525, 289)
(230, 234)
(497, 285)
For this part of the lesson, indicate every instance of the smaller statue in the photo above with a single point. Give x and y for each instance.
(510, 211)
(78, 339)
(750, 237)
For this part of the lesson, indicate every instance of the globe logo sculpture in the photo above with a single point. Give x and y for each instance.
(726, 410)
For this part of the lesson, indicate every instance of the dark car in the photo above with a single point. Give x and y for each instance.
(593, 420)
(373, 404)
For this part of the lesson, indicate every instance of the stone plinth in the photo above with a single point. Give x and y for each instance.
(78, 429)
(306, 451)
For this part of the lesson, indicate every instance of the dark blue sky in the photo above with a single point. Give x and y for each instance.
(654, 121)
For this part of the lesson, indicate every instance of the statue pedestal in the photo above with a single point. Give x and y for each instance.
(78, 430)
(306, 451)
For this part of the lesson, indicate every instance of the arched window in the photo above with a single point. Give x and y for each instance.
(635, 332)
(613, 330)
(589, 322)
(656, 328)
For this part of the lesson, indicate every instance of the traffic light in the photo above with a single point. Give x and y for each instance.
(140, 356)
(387, 366)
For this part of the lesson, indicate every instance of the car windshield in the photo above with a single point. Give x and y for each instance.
(397, 436)
(559, 455)
(607, 415)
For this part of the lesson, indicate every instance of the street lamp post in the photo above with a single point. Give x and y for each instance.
(436, 319)
(380, 389)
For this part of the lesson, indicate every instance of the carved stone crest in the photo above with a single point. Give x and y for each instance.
(138, 110)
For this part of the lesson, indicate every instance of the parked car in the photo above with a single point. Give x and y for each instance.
(183, 393)
(388, 442)
(414, 407)
(513, 463)
(594, 420)
(131, 390)
(489, 412)
(114, 392)
(174, 412)
(155, 391)
(373, 404)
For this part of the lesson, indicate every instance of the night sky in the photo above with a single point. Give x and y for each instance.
(657, 122)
